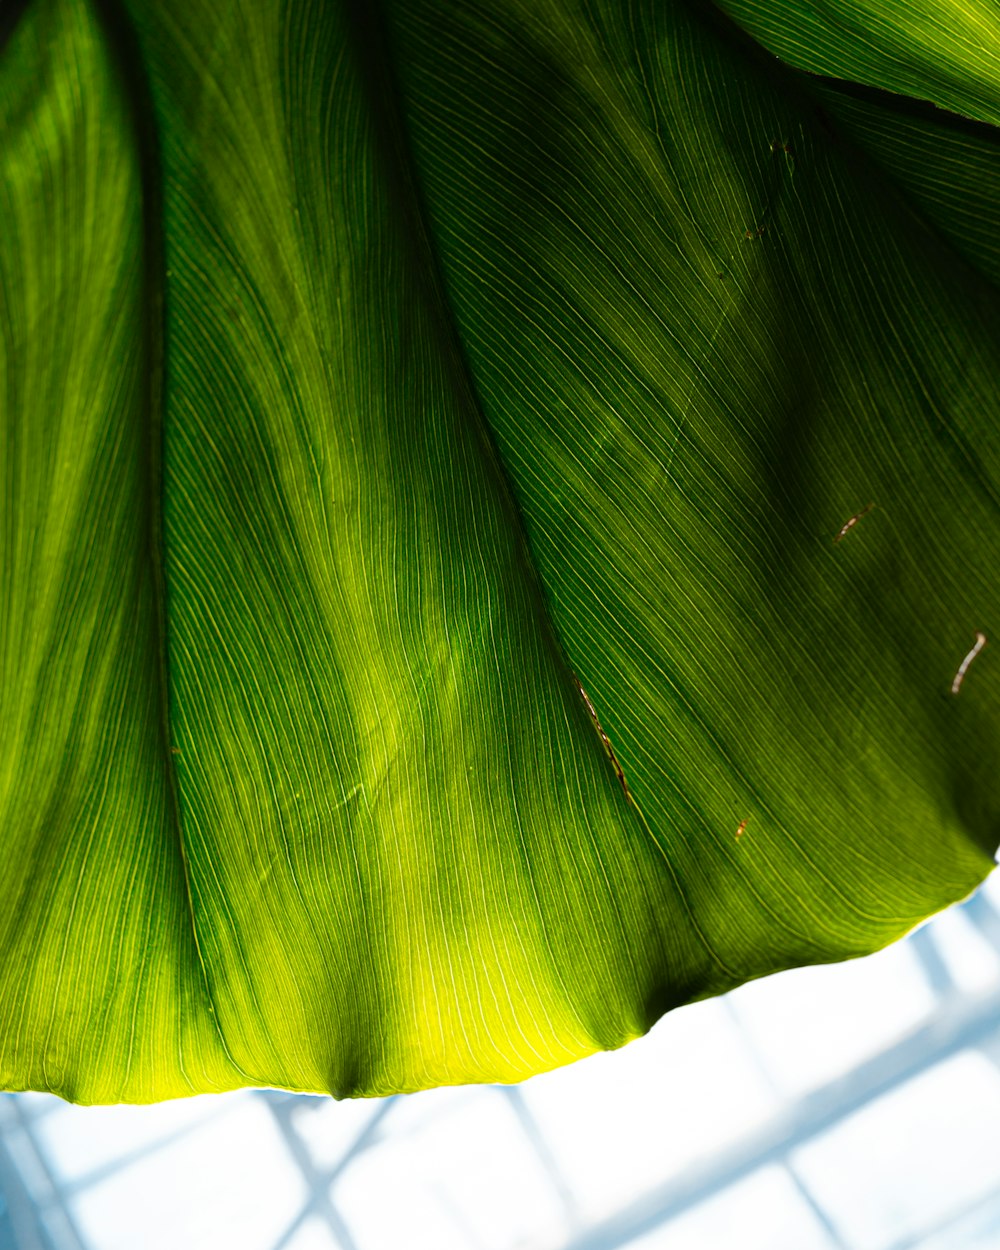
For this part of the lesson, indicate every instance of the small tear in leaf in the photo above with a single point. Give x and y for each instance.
(740, 827)
(849, 525)
(605, 740)
(783, 147)
(980, 642)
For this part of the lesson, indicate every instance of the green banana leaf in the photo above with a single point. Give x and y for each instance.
(498, 501)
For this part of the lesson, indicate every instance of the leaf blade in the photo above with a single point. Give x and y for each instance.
(101, 994)
(567, 370)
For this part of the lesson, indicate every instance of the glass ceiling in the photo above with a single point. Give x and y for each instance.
(850, 1107)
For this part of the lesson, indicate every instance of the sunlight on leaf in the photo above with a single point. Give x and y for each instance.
(374, 383)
